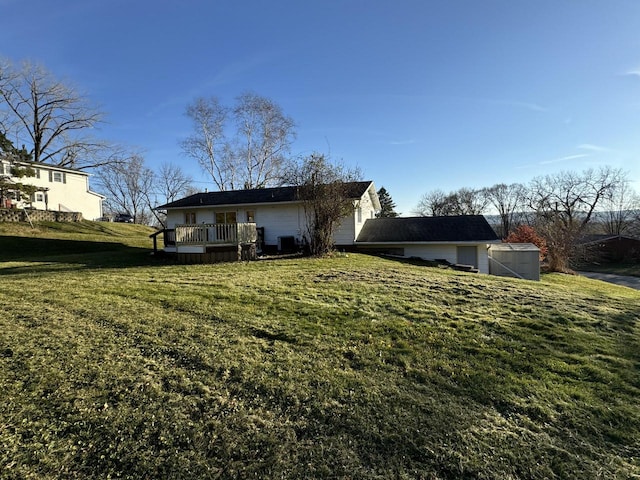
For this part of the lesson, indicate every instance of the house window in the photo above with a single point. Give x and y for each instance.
(37, 173)
(5, 169)
(251, 216)
(190, 218)
(225, 217)
(359, 215)
(59, 177)
(39, 197)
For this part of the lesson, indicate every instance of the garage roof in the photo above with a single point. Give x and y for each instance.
(458, 228)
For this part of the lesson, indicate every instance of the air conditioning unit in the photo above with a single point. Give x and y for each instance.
(286, 244)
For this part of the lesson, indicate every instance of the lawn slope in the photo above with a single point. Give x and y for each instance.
(349, 367)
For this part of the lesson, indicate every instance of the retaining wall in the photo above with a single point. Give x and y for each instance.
(19, 215)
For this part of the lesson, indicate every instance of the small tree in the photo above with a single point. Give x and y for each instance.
(325, 191)
(127, 185)
(387, 206)
(527, 234)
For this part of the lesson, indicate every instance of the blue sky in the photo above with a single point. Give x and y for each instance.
(419, 95)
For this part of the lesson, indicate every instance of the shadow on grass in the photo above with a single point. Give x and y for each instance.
(59, 255)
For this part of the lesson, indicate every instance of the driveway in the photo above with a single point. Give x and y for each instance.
(631, 282)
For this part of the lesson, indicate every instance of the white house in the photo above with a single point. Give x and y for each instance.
(204, 225)
(278, 213)
(460, 239)
(60, 189)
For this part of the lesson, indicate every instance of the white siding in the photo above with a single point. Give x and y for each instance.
(285, 219)
(367, 211)
(525, 262)
(280, 221)
(483, 258)
(175, 217)
(345, 234)
(72, 194)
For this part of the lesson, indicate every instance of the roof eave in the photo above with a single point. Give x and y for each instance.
(228, 205)
(443, 242)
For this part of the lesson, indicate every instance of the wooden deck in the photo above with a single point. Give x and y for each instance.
(210, 242)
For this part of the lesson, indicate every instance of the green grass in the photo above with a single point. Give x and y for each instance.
(348, 367)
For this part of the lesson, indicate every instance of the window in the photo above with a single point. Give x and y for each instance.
(39, 197)
(60, 177)
(251, 216)
(5, 169)
(225, 217)
(359, 215)
(190, 218)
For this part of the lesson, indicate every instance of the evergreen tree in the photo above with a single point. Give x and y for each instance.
(387, 206)
(21, 191)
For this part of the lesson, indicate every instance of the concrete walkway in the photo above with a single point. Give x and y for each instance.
(631, 282)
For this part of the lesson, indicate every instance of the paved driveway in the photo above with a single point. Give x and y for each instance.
(632, 282)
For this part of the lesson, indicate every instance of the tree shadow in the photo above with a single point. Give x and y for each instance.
(48, 255)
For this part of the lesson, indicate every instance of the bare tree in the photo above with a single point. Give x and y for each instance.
(565, 204)
(208, 144)
(254, 156)
(508, 200)
(468, 201)
(172, 182)
(325, 191)
(464, 201)
(50, 117)
(265, 135)
(433, 204)
(621, 210)
(127, 185)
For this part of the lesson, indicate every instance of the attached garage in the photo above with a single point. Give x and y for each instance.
(518, 260)
(461, 239)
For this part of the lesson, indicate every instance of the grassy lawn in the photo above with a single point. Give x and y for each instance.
(114, 365)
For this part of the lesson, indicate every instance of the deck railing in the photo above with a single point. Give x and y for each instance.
(216, 234)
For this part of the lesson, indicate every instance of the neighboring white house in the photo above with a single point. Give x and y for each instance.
(461, 239)
(60, 189)
(278, 213)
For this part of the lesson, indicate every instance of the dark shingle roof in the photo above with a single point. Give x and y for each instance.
(602, 238)
(260, 195)
(461, 228)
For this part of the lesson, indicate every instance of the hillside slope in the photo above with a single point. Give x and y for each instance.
(349, 367)
(91, 240)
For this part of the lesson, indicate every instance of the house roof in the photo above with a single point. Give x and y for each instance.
(253, 196)
(459, 228)
(602, 238)
(49, 166)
